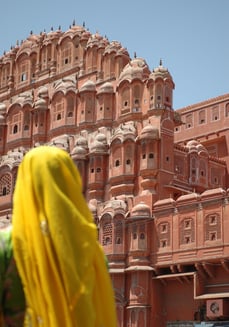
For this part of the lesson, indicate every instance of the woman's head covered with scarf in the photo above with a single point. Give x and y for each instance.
(60, 261)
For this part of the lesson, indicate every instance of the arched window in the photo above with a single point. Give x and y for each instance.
(142, 236)
(136, 96)
(125, 100)
(66, 54)
(202, 118)
(15, 129)
(70, 106)
(58, 108)
(107, 234)
(188, 121)
(5, 184)
(159, 96)
(118, 232)
(215, 113)
(227, 110)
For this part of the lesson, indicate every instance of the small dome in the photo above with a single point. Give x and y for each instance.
(149, 132)
(97, 146)
(136, 68)
(88, 86)
(161, 72)
(65, 85)
(81, 141)
(52, 35)
(188, 197)
(113, 46)
(27, 45)
(195, 146)
(40, 104)
(75, 29)
(95, 40)
(85, 35)
(106, 88)
(23, 99)
(125, 131)
(141, 209)
(100, 137)
(79, 151)
(43, 92)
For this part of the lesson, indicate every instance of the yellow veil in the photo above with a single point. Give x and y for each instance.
(60, 261)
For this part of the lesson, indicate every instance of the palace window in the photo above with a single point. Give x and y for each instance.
(118, 232)
(215, 113)
(189, 121)
(227, 110)
(202, 118)
(59, 109)
(23, 71)
(164, 234)
(107, 234)
(187, 232)
(66, 55)
(5, 184)
(212, 227)
(117, 163)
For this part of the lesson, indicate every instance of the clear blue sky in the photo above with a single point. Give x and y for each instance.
(191, 36)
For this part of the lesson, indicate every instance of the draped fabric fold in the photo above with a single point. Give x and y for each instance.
(59, 259)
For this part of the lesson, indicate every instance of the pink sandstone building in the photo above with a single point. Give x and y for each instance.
(156, 179)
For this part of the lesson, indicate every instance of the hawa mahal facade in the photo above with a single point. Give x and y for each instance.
(156, 179)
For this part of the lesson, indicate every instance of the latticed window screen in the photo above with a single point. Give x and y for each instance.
(107, 233)
(5, 184)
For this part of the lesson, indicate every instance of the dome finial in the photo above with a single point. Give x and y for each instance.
(135, 54)
(160, 64)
